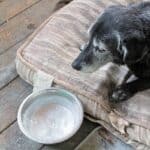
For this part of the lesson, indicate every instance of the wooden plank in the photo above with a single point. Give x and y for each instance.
(7, 74)
(7, 65)
(101, 139)
(13, 139)
(10, 98)
(22, 25)
(8, 57)
(85, 129)
(10, 8)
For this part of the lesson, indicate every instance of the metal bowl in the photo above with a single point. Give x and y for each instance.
(50, 116)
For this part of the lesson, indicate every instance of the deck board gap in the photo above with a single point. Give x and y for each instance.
(9, 83)
(41, 147)
(9, 125)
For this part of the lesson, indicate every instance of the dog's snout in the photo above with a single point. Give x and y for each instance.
(76, 65)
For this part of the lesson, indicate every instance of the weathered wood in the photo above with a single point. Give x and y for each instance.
(7, 67)
(85, 129)
(13, 139)
(10, 8)
(10, 98)
(7, 74)
(101, 139)
(22, 25)
(8, 57)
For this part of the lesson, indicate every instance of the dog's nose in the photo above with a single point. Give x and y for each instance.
(76, 66)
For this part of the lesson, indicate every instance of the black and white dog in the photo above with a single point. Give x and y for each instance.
(121, 34)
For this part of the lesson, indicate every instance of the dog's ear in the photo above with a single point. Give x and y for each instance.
(112, 40)
(135, 46)
(133, 35)
(94, 26)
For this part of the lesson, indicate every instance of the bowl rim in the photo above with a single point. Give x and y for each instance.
(43, 91)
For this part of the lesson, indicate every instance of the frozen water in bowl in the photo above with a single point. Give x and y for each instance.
(50, 116)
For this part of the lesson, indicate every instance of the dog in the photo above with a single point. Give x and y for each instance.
(121, 34)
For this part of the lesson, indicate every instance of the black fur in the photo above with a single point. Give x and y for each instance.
(133, 25)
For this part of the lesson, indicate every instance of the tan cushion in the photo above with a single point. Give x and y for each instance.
(54, 46)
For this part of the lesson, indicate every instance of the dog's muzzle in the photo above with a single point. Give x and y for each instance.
(76, 65)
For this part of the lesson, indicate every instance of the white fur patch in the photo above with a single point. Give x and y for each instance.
(125, 52)
(99, 44)
(118, 39)
(90, 28)
(82, 47)
(99, 60)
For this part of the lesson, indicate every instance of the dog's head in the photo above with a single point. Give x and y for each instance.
(96, 52)
(93, 55)
(117, 35)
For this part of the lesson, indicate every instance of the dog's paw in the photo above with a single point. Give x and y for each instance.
(120, 94)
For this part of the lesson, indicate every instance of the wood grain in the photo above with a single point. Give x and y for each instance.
(11, 38)
(10, 8)
(22, 25)
(13, 139)
(7, 65)
(8, 57)
(7, 74)
(85, 129)
(10, 98)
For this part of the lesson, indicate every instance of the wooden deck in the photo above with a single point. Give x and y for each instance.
(18, 19)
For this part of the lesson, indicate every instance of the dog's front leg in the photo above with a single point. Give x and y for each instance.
(125, 91)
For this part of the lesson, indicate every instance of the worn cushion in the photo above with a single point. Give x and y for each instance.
(54, 46)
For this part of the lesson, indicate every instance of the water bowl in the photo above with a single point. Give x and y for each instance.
(50, 116)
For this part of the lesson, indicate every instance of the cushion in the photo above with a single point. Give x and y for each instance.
(53, 47)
